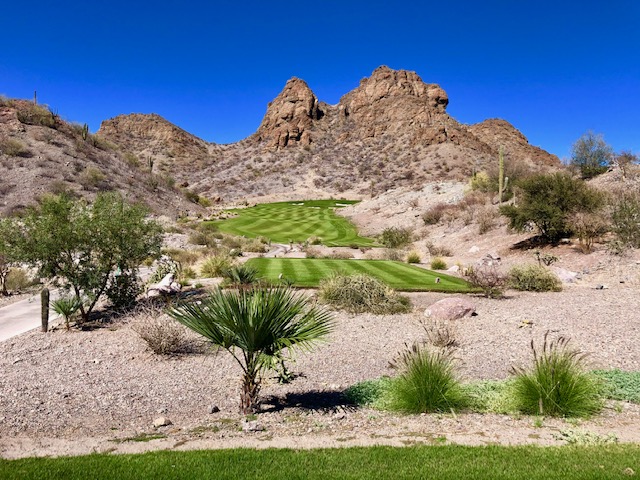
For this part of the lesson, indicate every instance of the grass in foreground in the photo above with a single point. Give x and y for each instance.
(308, 272)
(283, 222)
(433, 462)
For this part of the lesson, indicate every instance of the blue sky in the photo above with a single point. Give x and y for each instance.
(553, 69)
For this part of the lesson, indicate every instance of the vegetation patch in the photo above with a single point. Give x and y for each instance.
(534, 278)
(359, 293)
(285, 222)
(309, 272)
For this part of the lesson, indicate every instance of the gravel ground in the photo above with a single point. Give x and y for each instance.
(76, 392)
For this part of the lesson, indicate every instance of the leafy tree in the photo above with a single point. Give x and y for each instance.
(254, 326)
(548, 200)
(591, 155)
(7, 254)
(624, 160)
(84, 245)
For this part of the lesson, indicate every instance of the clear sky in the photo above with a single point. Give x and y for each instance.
(553, 69)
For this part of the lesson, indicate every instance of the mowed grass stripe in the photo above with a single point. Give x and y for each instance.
(295, 221)
(309, 272)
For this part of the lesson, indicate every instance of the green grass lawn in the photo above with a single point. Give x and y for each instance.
(308, 272)
(283, 222)
(432, 462)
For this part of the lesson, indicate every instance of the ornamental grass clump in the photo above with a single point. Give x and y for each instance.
(557, 384)
(361, 293)
(427, 382)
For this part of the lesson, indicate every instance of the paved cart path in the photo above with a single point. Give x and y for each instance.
(23, 316)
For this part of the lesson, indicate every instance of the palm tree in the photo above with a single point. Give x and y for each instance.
(66, 307)
(254, 326)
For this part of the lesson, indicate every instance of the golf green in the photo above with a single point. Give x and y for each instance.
(308, 272)
(284, 222)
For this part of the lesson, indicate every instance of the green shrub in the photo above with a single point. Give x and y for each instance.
(438, 264)
(361, 293)
(490, 396)
(426, 383)
(254, 245)
(31, 114)
(241, 275)
(395, 237)
(413, 257)
(626, 219)
(533, 278)
(367, 392)
(557, 384)
(66, 307)
(216, 266)
(124, 289)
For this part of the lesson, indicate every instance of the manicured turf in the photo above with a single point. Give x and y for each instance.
(308, 272)
(283, 222)
(432, 462)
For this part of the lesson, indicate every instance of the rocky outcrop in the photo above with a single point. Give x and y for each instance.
(452, 308)
(290, 116)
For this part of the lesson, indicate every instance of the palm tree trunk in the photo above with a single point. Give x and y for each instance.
(249, 394)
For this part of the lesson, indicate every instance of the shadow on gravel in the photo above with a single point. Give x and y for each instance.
(328, 401)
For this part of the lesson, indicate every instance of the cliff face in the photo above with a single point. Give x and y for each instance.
(392, 130)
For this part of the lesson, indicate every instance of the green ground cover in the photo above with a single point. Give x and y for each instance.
(308, 272)
(283, 222)
(433, 462)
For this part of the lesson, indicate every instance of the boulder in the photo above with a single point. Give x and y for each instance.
(166, 286)
(451, 308)
(565, 276)
(162, 422)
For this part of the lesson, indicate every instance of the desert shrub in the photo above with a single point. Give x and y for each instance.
(392, 254)
(162, 334)
(361, 293)
(434, 215)
(254, 245)
(481, 182)
(312, 252)
(18, 279)
(14, 148)
(426, 383)
(440, 333)
(591, 155)
(487, 278)
(395, 237)
(313, 240)
(413, 257)
(588, 227)
(91, 177)
(124, 289)
(339, 255)
(438, 263)
(557, 384)
(438, 250)
(548, 201)
(215, 266)
(31, 114)
(626, 219)
(183, 257)
(533, 278)
(208, 239)
(487, 217)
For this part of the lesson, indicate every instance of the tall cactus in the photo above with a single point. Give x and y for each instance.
(85, 132)
(501, 182)
(44, 300)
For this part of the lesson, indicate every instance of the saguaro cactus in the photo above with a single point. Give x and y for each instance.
(85, 132)
(44, 299)
(502, 180)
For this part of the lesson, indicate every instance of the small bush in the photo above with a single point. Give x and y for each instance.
(489, 279)
(311, 252)
(339, 255)
(426, 382)
(91, 177)
(18, 279)
(438, 264)
(31, 114)
(313, 240)
(533, 278)
(165, 266)
(183, 257)
(588, 227)
(367, 392)
(241, 275)
(395, 237)
(66, 307)
(440, 333)
(621, 385)
(557, 384)
(487, 219)
(413, 257)
(162, 334)
(124, 289)
(254, 245)
(216, 266)
(438, 250)
(435, 214)
(626, 219)
(14, 148)
(208, 239)
(362, 293)
(393, 254)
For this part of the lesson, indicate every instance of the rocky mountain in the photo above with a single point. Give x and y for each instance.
(391, 131)
(40, 153)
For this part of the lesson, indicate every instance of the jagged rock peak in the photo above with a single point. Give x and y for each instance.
(387, 83)
(290, 115)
